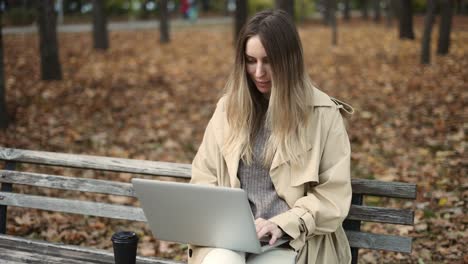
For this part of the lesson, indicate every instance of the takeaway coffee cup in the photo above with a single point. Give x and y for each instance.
(125, 247)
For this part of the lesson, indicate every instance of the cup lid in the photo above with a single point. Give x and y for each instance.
(124, 236)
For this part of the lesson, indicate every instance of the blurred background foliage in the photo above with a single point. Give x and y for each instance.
(23, 12)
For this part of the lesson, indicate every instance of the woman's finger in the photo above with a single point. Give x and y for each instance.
(260, 223)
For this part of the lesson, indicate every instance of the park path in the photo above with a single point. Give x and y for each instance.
(126, 25)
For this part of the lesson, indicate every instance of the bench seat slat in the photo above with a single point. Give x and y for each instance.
(386, 189)
(67, 183)
(9, 256)
(69, 253)
(381, 215)
(73, 206)
(97, 162)
(379, 242)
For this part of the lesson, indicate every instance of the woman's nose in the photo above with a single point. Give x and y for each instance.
(259, 70)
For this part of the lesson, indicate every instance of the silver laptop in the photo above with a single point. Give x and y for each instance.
(200, 215)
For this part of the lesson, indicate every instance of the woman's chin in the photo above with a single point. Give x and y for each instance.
(264, 89)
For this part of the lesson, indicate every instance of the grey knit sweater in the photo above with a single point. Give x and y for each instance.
(255, 180)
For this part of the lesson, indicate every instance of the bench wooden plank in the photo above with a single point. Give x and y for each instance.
(97, 162)
(381, 215)
(387, 189)
(68, 252)
(363, 213)
(111, 187)
(379, 242)
(363, 186)
(19, 256)
(73, 206)
(67, 183)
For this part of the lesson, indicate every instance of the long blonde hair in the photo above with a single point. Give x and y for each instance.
(288, 108)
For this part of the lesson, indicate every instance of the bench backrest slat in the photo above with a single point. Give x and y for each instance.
(73, 206)
(379, 242)
(387, 189)
(97, 162)
(362, 186)
(381, 215)
(67, 183)
(362, 213)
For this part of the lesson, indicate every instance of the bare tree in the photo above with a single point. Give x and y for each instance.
(286, 5)
(365, 9)
(240, 17)
(50, 64)
(390, 11)
(100, 35)
(406, 19)
(163, 22)
(333, 25)
(377, 13)
(326, 12)
(445, 26)
(346, 10)
(3, 110)
(426, 39)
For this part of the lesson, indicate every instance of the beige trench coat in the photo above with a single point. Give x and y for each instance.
(319, 193)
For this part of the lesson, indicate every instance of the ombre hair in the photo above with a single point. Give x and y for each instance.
(286, 111)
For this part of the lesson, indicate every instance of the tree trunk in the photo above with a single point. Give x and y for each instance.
(206, 5)
(326, 12)
(426, 39)
(445, 27)
(50, 64)
(163, 22)
(377, 15)
(390, 11)
(406, 19)
(3, 108)
(365, 9)
(100, 35)
(240, 17)
(286, 5)
(333, 22)
(347, 10)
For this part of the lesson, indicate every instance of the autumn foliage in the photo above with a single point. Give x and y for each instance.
(146, 101)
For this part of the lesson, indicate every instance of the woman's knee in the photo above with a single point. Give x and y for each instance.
(220, 255)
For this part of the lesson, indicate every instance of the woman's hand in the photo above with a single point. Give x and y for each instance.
(265, 227)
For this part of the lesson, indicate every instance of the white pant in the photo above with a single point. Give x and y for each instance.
(273, 256)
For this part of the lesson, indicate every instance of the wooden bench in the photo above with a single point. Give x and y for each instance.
(20, 250)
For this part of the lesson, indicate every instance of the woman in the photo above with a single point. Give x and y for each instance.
(284, 142)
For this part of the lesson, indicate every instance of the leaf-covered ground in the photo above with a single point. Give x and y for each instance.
(146, 101)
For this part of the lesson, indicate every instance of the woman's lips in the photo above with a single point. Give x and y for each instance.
(262, 83)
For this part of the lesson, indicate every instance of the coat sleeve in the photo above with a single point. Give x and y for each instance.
(325, 205)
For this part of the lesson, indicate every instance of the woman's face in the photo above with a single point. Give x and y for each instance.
(258, 66)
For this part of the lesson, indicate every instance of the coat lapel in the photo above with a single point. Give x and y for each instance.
(320, 99)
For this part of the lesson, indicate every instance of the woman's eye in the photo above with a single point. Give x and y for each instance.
(250, 61)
